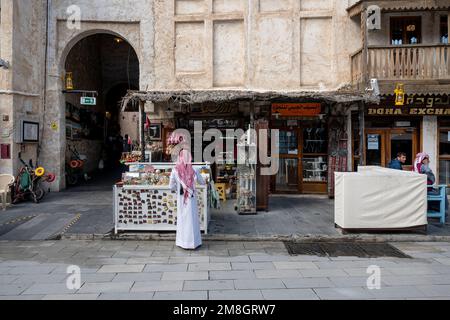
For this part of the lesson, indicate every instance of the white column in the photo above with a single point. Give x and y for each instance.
(430, 140)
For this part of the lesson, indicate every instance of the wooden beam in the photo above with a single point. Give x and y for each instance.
(143, 119)
(365, 51)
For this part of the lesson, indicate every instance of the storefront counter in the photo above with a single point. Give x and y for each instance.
(153, 207)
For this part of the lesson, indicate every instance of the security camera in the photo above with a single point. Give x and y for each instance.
(374, 87)
(4, 64)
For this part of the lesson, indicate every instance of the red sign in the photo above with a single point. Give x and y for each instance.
(5, 151)
(296, 109)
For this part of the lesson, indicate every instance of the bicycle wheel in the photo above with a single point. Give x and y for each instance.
(38, 194)
(72, 179)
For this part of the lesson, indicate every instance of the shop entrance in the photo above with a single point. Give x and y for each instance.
(383, 145)
(303, 158)
(100, 69)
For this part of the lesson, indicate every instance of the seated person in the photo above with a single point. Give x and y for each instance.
(397, 163)
(422, 166)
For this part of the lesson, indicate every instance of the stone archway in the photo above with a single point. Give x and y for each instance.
(54, 147)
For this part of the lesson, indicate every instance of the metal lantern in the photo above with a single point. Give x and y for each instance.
(69, 81)
(400, 94)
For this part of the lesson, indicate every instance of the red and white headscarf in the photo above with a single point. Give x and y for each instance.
(186, 173)
(418, 162)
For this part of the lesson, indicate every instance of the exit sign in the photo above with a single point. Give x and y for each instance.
(88, 101)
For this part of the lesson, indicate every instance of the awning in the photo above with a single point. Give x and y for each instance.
(399, 5)
(188, 97)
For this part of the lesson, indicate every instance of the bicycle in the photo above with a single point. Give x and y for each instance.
(75, 168)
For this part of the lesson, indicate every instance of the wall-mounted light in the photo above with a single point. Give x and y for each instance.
(400, 94)
(118, 40)
(69, 81)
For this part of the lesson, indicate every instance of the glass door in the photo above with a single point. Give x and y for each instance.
(403, 140)
(375, 148)
(287, 179)
(383, 145)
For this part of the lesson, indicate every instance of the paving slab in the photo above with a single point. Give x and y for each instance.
(290, 265)
(155, 286)
(209, 266)
(191, 259)
(138, 277)
(401, 292)
(71, 297)
(41, 227)
(184, 295)
(435, 290)
(12, 289)
(201, 275)
(298, 283)
(25, 297)
(343, 293)
(277, 274)
(321, 273)
(236, 259)
(49, 288)
(259, 284)
(100, 287)
(289, 294)
(208, 285)
(165, 267)
(143, 296)
(236, 295)
(122, 268)
(232, 275)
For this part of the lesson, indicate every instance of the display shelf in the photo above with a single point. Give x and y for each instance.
(246, 175)
(141, 206)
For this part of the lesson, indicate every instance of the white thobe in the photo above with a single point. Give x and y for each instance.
(188, 222)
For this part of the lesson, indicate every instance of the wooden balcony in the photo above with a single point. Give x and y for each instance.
(411, 64)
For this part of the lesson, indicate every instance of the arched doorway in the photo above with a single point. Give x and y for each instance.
(104, 66)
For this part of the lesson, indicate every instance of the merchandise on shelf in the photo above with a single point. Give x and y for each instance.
(129, 157)
(246, 175)
(144, 202)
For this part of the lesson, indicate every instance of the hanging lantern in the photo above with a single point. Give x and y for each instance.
(399, 94)
(69, 81)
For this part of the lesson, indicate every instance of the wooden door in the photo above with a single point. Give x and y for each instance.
(288, 178)
(402, 140)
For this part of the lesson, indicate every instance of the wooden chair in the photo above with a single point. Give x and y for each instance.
(439, 197)
(222, 190)
(6, 181)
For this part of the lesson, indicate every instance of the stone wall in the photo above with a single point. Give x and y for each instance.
(21, 86)
(258, 44)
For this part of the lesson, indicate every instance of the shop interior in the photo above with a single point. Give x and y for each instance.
(303, 156)
(100, 69)
(385, 138)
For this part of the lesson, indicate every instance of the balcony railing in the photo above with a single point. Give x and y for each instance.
(408, 62)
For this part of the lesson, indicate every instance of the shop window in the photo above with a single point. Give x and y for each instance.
(406, 30)
(288, 142)
(444, 29)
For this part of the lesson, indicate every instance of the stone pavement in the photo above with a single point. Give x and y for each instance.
(86, 211)
(218, 271)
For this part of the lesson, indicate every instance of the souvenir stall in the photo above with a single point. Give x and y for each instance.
(143, 200)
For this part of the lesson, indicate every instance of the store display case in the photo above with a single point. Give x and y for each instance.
(315, 169)
(143, 201)
(315, 159)
(246, 177)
